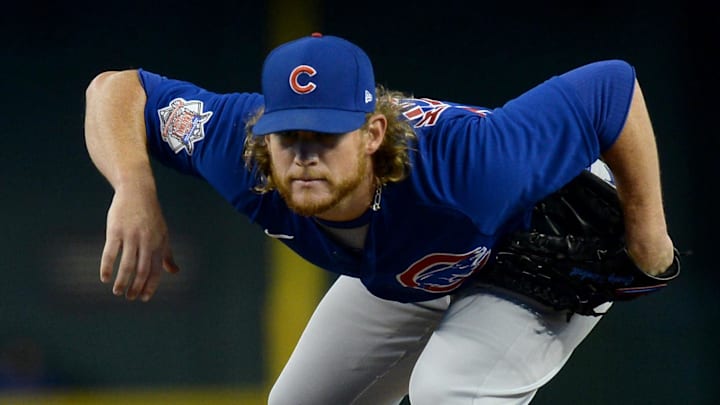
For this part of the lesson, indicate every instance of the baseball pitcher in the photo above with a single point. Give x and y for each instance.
(476, 247)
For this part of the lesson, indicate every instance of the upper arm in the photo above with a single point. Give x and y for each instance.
(199, 132)
(503, 163)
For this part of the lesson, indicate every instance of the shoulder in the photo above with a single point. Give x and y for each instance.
(600, 74)
(164, 92)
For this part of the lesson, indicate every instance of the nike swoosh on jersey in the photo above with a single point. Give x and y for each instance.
(278, 235)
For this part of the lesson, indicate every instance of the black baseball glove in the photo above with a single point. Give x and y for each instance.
(574, 258)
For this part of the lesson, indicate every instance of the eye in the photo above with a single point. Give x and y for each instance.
(290, 138)
(287, 138)
(327, 140)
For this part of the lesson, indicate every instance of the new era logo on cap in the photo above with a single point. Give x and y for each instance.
(316, 83)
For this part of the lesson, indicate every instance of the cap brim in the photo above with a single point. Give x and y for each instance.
(317, 120)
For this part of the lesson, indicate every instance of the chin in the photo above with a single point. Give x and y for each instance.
(308, 207)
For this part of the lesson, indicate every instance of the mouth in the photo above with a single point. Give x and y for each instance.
(307, 181)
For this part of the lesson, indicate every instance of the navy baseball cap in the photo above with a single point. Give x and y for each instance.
(319, 83)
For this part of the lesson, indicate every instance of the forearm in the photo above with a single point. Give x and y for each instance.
(633, 158)
(115, 130)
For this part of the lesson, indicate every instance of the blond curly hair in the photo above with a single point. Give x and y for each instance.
(391, 161)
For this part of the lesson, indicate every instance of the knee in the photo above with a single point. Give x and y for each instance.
(279, 396)
(427, 387)
(274, 396)
(288, 391)
(433, 392)
(435, 385)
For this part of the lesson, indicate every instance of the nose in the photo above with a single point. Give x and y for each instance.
(306, 150)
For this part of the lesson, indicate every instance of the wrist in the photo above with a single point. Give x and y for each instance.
(139, 181)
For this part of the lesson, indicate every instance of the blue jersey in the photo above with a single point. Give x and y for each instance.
(476, 173)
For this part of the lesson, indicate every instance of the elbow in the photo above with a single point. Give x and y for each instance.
(106, 81)
(98, 83)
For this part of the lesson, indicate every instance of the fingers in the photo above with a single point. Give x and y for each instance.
(137, 233)
(107, 261)
(146, 265)
(126, 269)
(153, 280)
(139, 271)
(169, 263)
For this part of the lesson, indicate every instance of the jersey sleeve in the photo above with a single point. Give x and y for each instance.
(200, 133)
(496, 166)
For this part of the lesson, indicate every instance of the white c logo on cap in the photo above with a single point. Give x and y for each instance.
(295, 75)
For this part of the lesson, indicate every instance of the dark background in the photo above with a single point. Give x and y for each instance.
(60, 327)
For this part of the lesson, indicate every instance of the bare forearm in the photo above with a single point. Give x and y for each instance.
(634, 162)
(115, 129)
(136, 233)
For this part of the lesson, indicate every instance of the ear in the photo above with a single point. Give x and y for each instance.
(376, 127)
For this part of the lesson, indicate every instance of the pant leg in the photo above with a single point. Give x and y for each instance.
(356, 349)
(495, 347)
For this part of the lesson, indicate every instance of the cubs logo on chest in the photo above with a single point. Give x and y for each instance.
(443, 272)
